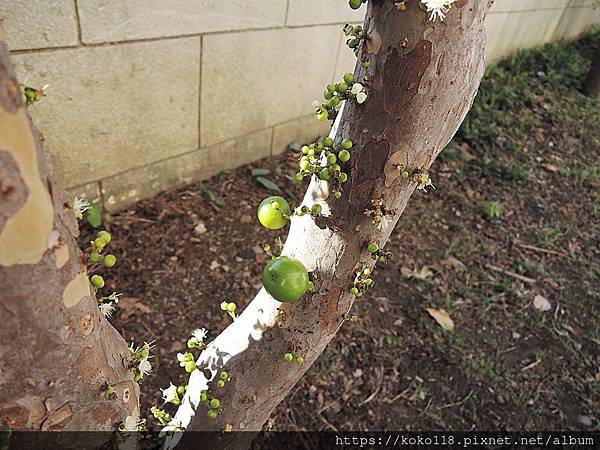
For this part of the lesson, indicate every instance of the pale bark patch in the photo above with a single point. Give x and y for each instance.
(24, 237)
(76, 290)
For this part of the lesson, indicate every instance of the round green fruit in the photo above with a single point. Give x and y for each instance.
(273, 212)
(286, 279)
(346, 144)
(97, 281)
(110, 260)
(349, 78)
(342, 87)
(355, 4)
(344, 155)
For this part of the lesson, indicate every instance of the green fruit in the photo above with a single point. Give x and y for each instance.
(286, 279)
(324, 174)
(344, 155)
(367, 271)
(355, 4)
(231, 307)
(327, 95)
(300, 360)
(212, 413)
(331, 158)
(214, 403)
(337, 194)
(328, 142)
(316, 208)
(190, 366)
(366, 64)
(105, 236)
(221, 383)
(223, 375)
(181, 390)
(342, 87)
(322, 115)
(346, 144)
(335, 168)
(299, 177)
(203, 397)
(304, 165)
(354, 291)
(331, 87)
(288, 357)
(99, 243)
(372, 247)
(343, 177)
(273, 212)
(110, 260)
(352, 43)
(97, 281)
(305, 149)
(349, 78)
(335, 100)
(94, 258)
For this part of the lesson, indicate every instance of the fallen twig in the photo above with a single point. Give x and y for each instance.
(522, 278)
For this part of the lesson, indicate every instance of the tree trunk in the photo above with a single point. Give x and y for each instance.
(56, 349)
(423, 79)
(591, 86)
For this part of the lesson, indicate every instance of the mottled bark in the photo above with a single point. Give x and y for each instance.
(591, 86)
(423, 79)
(56, 349)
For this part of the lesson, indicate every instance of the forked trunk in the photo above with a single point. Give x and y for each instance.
(423, 77)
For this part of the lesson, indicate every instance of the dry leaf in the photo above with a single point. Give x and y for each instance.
(442, 317)
(422, 274)
(406, 272)
(454, 263)
(550, 167)
(541, 303)
(130, 306)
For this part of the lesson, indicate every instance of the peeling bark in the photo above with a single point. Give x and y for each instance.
(56, 349)
(423, 79)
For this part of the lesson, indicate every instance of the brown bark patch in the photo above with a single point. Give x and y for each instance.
(58, 420)
(13, 190)
(14, 415)
(402, 74)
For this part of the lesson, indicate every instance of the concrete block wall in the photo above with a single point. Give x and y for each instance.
(147, 95)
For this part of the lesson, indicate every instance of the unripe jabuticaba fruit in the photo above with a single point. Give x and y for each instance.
(273, 212)
(355, 4)
(286, 279)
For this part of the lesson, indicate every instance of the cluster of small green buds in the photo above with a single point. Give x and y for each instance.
(362, 282)
(32, 95)
(230, 308)
(355, 4)
(356, 35)
(293, 356)
(378, 254)
(421, 178)
(140, 360)
(108, 391)
(321, 159)
(315, 210)
(350, 318)
(212, 403)
(224, 377)
(186, 360)
(347, 89)
(378, 212)
(161, 415)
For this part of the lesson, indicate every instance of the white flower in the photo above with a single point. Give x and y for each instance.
(361, 97)
(107, 309)
(356, 88)
(385, 222)
(437, 8)
(200, 334)
(145, 367)
(169, 395)
(79, 207)
(180, 357)
(173, 425)
(133, 423)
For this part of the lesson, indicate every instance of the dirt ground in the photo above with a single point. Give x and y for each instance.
(508, 244)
